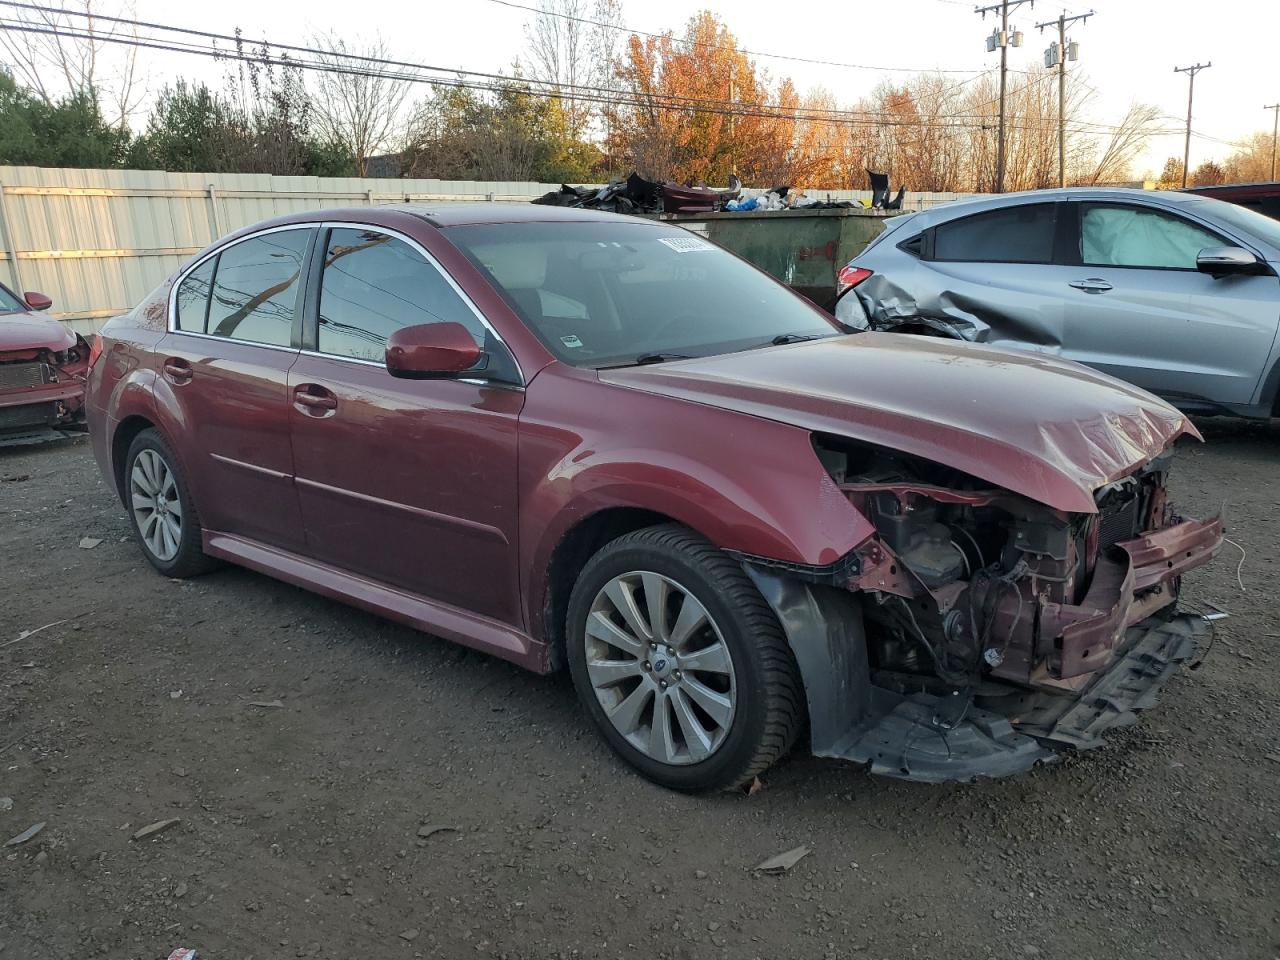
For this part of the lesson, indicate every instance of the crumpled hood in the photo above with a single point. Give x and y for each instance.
(31, 331)
(1045, 428)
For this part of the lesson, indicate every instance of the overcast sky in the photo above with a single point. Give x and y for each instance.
(1128, 51)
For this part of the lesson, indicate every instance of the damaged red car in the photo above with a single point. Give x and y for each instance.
(578, 440)
(42, 370)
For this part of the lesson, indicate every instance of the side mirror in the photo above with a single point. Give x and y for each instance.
(37, 301)
(1227, 261)
(432, 351)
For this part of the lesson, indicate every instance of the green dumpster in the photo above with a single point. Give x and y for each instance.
(805, 249)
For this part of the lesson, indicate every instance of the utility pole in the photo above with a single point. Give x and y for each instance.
(1001, 38)
(1191, 92)
(1275, 129)
(1057, 55)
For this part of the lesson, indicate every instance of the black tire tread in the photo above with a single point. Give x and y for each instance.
(784, 700)
(191, 561)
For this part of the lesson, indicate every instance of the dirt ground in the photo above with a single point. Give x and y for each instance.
(304, 745)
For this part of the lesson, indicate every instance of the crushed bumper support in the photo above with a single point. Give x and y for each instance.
(930, 738)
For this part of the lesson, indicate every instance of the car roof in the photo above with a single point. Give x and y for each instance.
(446, 214)
(452, 214)
(956, 208)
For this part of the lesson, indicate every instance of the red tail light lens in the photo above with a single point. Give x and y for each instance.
(95, 350)
(850, 276)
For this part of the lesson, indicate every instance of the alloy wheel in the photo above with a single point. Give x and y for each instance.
(157, 507)
(660, 668)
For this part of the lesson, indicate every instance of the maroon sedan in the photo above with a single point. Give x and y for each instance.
(570, 438)
(42, 369)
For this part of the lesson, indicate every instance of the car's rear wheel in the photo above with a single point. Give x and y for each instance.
(161, 509)
(680, 662)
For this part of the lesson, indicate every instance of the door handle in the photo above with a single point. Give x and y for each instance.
(1091, 285)
(177, 370)
(314, 400)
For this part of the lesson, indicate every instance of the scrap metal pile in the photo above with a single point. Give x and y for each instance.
(635, 194)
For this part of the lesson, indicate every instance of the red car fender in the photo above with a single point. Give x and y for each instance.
(781, 505)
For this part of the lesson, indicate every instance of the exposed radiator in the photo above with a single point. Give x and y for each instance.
(29, 374)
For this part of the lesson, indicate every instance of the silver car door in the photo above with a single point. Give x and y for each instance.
(1137, 308)
(989, 276)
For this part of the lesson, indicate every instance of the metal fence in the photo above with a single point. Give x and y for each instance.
(97, 241)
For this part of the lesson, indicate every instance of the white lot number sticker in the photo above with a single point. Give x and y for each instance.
(688, 244)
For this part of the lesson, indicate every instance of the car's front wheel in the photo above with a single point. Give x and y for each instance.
(680, 662)
(161, 509)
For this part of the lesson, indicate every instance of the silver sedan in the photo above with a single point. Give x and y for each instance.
(1173, 292)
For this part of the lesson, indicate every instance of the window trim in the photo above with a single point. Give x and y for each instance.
(303, 280)
(1076, 246)
(311, 311)
(930, 253)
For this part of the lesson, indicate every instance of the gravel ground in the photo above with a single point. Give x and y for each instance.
(306, 747)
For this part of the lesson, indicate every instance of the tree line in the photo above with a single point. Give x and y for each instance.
(586, 101)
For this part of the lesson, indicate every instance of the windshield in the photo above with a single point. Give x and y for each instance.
(1245, 220)
(608, 293)
(10, 303)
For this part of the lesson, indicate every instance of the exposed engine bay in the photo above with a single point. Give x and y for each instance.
(995, 628)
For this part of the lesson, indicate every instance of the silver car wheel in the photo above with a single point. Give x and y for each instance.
(157, 508)
(660, 668)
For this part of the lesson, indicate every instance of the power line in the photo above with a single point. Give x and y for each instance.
(1191, 92)
(1061, 52)
(1275, 129)
(702, 43)
(1000, 38)
(488, 82)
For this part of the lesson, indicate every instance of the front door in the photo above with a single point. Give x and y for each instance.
(1137, 308)
(411, 483)
(225, 363)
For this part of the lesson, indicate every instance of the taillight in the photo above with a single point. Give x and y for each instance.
(850, 276)
(95, 350)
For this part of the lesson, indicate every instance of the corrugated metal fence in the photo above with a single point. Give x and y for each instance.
(97, 241)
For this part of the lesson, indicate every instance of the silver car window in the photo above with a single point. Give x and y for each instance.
(1113, 235)
(1018, 234)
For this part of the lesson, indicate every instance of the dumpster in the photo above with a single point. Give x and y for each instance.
(805, 249)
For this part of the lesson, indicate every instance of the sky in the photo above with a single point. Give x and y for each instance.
(1128, 51)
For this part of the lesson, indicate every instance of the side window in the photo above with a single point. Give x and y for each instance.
(1116, 236)
(374, 284)
(193, 298)
(1022, 234)
(255, 288)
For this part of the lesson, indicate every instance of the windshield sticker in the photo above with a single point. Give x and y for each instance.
(571, 341)
(686, 244)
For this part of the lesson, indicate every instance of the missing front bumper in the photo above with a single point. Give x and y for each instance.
(1002, 735)
(1003, 730)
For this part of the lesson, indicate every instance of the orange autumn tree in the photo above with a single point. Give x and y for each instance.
(698, 110)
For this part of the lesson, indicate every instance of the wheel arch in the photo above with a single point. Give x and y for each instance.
(578, 545)
(126, 431)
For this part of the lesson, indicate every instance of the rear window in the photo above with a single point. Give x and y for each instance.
(255, 289)
(1021, 234)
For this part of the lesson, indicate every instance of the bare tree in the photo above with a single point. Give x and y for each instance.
(70, 51)
(1125, 144)
(575, 44)
(361, 110)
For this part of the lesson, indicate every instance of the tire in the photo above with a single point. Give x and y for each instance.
(161, 509)
(623, 673)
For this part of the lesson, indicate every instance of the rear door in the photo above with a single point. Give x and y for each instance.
(408, 482)
(234, 330)
(1139, 310)
(990, 275)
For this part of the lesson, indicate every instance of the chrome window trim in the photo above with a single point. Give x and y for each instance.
(194, 264)
(475, 381)
(436, 265)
